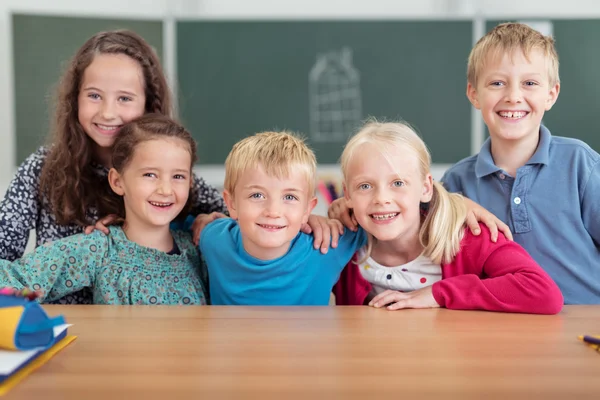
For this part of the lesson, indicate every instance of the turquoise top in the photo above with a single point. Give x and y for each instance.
(118, 270)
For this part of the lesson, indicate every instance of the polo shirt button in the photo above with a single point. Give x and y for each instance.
(502, 176)
(517, 200)
(389, 276)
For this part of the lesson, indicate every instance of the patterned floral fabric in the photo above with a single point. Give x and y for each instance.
(116, 270)
(21, 210)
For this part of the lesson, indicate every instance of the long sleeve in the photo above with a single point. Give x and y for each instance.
(498, 276)
(20, 207)
(205, 198)
(59, 268)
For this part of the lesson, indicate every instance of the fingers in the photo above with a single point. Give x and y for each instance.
(336, 229)
(472, 223)
(305, 228)
(387, 297)
(88, 229)
(491, 224)
(505, 230)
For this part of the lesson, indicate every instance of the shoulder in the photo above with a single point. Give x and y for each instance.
(34, 162)
(562, 147)
(461, 168)
(218, 230)
(183, 239)
(482, 243)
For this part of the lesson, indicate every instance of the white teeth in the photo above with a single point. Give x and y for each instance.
(160, 204)
(107, 128)
(383, 217)
(271, 226)
(512, 114)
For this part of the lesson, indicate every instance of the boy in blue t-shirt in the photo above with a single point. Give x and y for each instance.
(259, 256)
(547, 188)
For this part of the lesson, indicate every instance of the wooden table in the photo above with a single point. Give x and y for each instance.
(320, 352)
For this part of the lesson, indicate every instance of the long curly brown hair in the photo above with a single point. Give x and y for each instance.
(145, 128)
(68, 180)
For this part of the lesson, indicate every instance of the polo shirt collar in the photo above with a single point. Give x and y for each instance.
(485, 163)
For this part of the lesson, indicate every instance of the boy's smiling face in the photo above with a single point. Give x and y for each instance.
(270, 210)
(513, 92)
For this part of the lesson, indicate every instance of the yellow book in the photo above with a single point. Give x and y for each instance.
(16, 365)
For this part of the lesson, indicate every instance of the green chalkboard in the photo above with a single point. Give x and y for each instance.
(321, 78)
(575, 114)
(42, 47)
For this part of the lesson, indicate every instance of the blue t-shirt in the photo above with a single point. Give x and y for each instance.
(303, 276)
(552, 207)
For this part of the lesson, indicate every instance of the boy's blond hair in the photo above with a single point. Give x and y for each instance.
(443, 228)
(506, 38)
(276, 152)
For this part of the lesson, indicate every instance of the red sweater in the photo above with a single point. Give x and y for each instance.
(484, 275)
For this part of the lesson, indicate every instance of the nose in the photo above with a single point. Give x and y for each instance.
(382, 196)
(514, 93)
(164, 187)
(273, 208)
(108, 110)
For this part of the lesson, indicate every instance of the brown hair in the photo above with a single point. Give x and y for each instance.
(68, 178)
(145, 128)
(508, 37)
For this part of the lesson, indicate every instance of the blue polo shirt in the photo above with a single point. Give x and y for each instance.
(303, 276)
(552, 207)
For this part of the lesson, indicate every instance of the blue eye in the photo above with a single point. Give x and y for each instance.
(497, 83)
(125, 99)
(364, 186)
(398, 183)
(290, 197)
(256, 196)
(93, 96)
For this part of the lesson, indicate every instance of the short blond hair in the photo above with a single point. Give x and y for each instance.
(443, 228)
(506, 38)
(276, 152)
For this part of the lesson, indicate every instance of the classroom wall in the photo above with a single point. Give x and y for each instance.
(478, 10)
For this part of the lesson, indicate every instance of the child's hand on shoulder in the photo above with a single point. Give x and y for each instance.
(200, 223)
(324, 230)
(339, 210)
(393, 300)
(476, 213)
(102, 224)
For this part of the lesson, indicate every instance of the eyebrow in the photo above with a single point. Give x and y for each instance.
(255, 187)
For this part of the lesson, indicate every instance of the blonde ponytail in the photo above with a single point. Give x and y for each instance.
(443, 228)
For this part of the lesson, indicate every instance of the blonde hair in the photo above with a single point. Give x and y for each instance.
(507, 37)
(443, 227)
(276, 152)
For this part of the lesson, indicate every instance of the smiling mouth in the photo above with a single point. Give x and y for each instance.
(384, 217)
(271, 227)
(513, 115)
(109, 128)
(160, 205)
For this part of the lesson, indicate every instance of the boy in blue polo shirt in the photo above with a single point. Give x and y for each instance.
(259, 256)
(547, 188)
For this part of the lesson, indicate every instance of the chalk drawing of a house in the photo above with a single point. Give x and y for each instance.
(335, 99)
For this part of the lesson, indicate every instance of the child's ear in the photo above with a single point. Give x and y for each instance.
(552, 96)
(228, 197)
(347, 196)
(427, 189)
(311, 206)
(472, 95)
(115, 182)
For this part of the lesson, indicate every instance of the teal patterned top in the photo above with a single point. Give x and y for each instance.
(118, 270)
